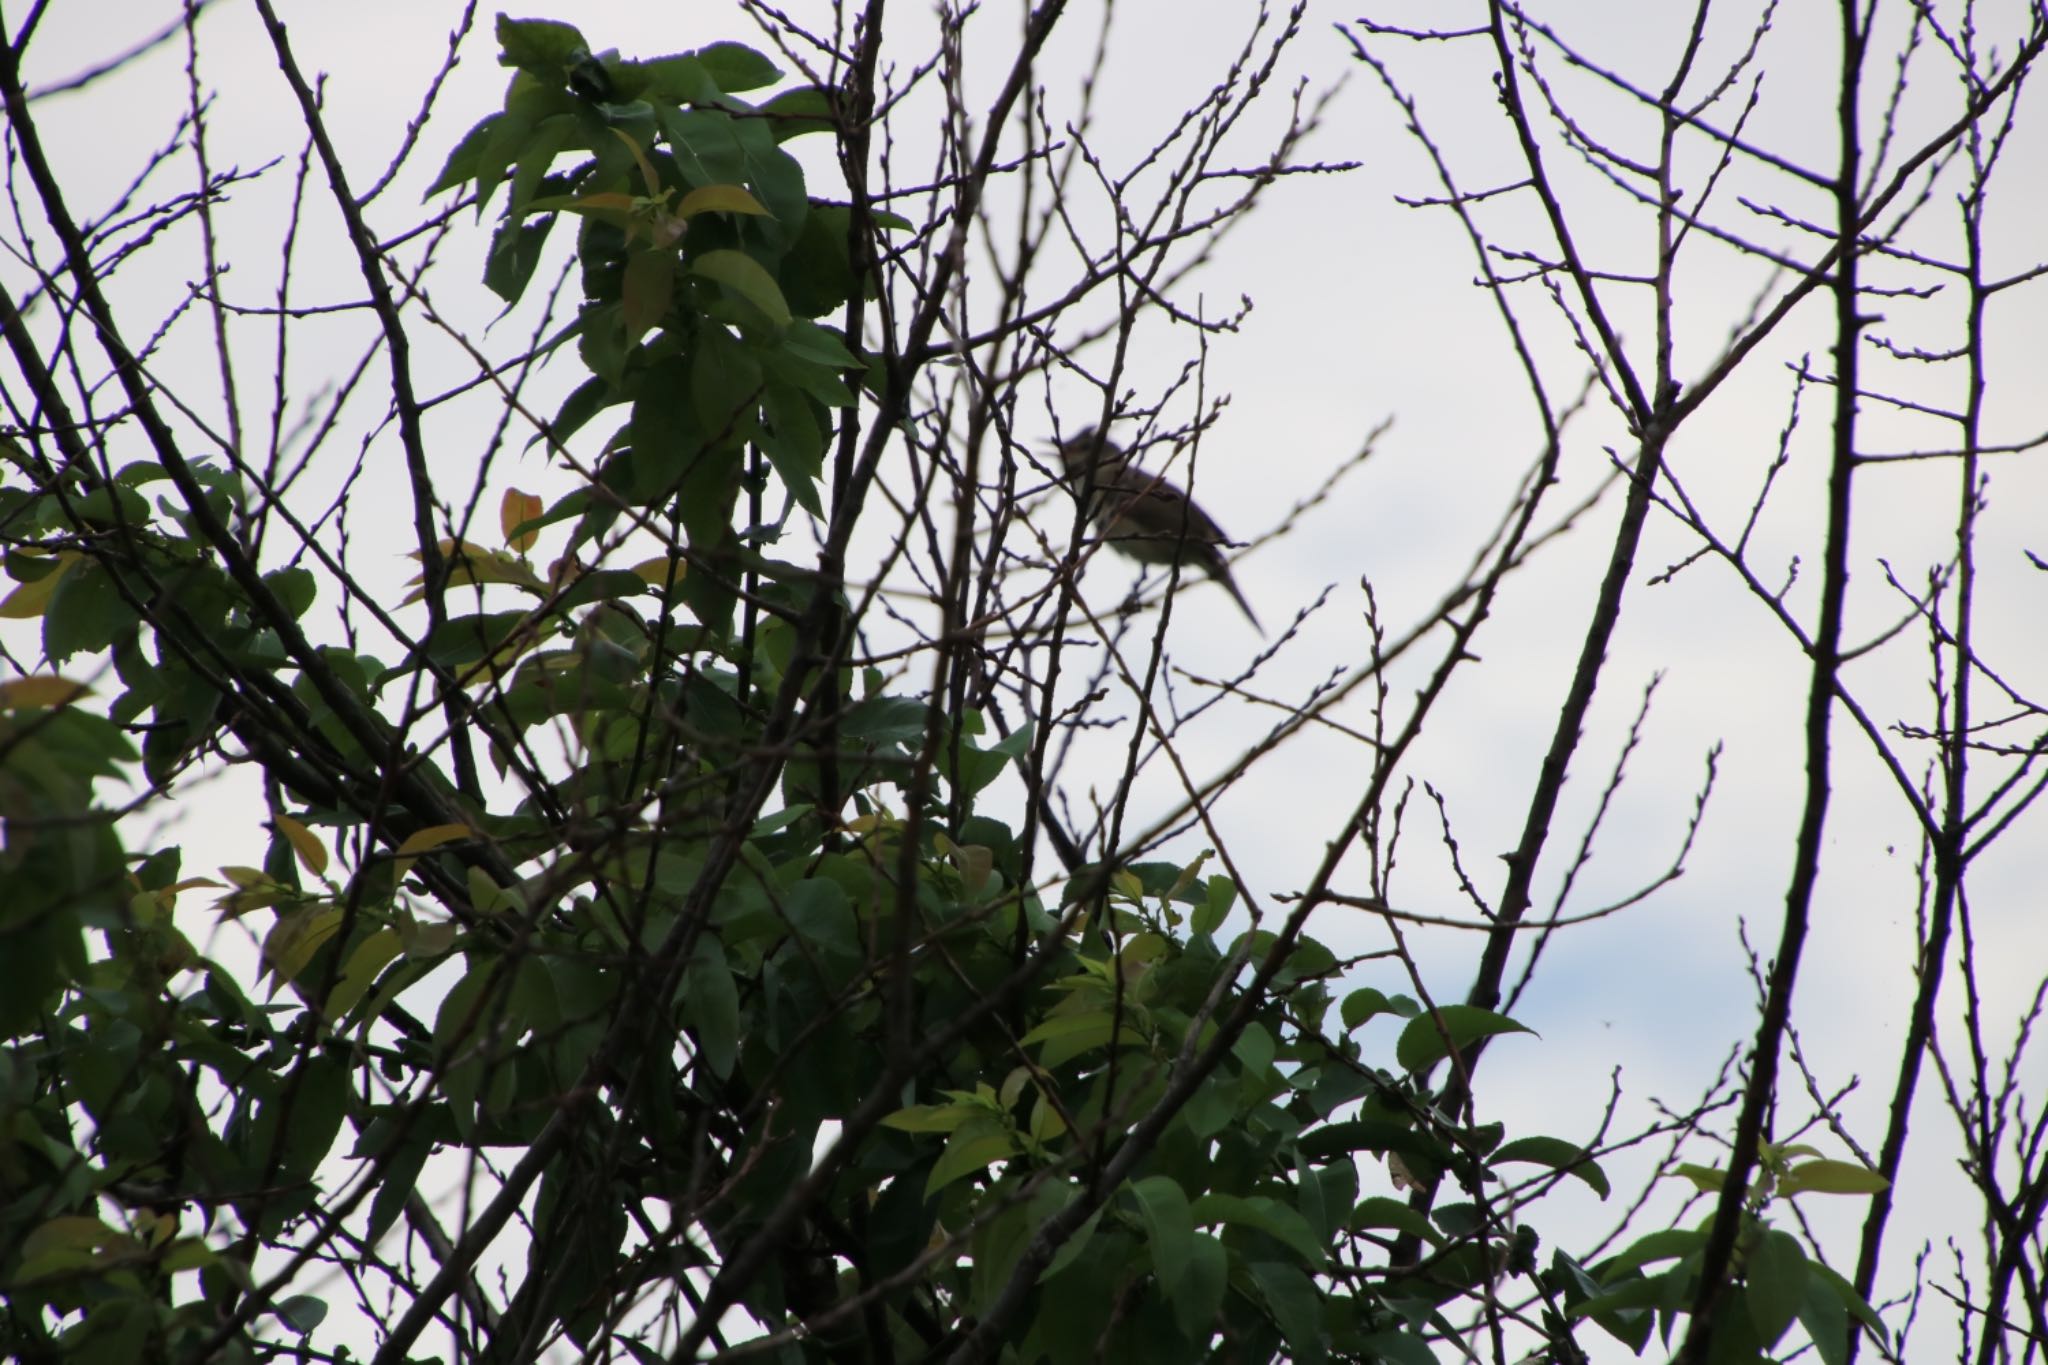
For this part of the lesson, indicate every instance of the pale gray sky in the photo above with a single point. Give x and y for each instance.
(1365, 311)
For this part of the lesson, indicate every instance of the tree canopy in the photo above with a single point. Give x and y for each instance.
(684, 922)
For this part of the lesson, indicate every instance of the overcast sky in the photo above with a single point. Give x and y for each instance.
(1364, 312)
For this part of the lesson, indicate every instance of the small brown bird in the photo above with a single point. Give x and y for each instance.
(1144, 516)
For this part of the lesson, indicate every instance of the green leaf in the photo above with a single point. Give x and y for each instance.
(110, 505)
(1423, 1153)
(806, 340)
(1707, 1179)
(1269, 1216)
(743, 275)
(1211, 1108)
(400, 1174)
(461, 165)
(1400, 1348)
(603, 585)
(316, 1095)
(465, 639)
(646, 289)
(1670, 1244)
(544, 47)
(737, 67)
(117, 1332)
(1735, 1340)
(1254, 1048)
(1826, 1321)
(1215, 906)
(1633, 1293)
(552, 134)
(1776, 1284)
(1631, 1327)
(937, 1118)
(1001, 1240)
(1364, 1003)
(530, 103)
(975, 1145)
(777, 178)
(886, 720)
(1832, 1177)
(805, 109)
(679, 79)
(294, 587)
(1422, 1043)
(1559, 1155)
(1070, 1250)
(725, 385)
(1296, 1306)
(301, 1312)
(588, 399)
(1067, 1036)
(1379, 1211)
(818, 910)
(370, 957)
(817, 274)
(972, 768)
(794, 444)
(515, 253)
(702, 144)
(1200, 1296)
(820, 383)
(1845, 1294)
(711, 1004)
(86, 614)
(1169, 1228)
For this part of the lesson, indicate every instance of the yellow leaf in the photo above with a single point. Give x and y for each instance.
(254, 890)
(451, 548)
(647, 174)
(474, 564)
(428, 939)
(293, 940)
(156, 1228)
(515, 511)
(242, 902)
(44, 689)
(612, 201)
(719, 199)
(663, 571)
(32, 599)
(422, 840)
(305, 843)
(484, 894)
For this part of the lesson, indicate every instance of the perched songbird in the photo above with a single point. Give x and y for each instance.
(1143, 515)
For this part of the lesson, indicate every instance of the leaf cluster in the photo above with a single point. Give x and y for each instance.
(756, 984)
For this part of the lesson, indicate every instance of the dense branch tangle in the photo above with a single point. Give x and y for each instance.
(680, 832)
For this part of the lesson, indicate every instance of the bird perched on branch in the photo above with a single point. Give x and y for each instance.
(1143, 515)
